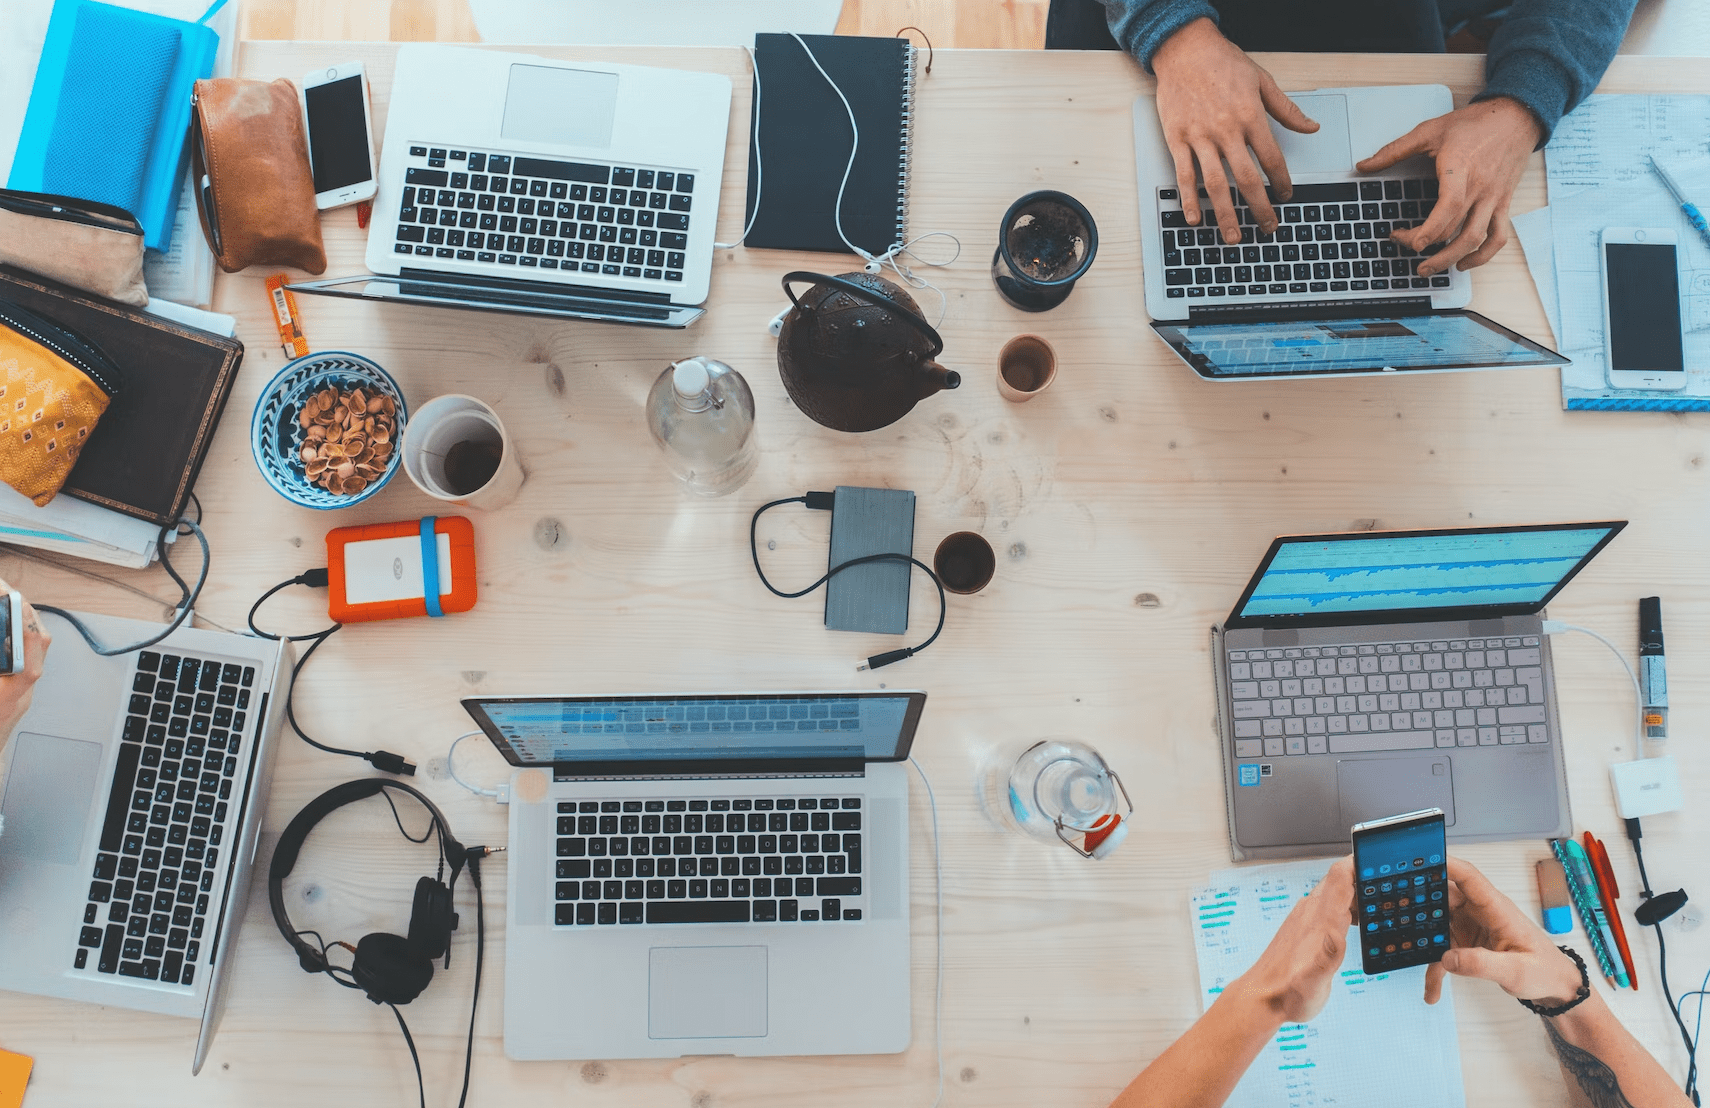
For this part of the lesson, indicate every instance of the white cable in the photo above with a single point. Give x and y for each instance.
(759, 169)
(1553, 626)
(451, 767)
(938, 890)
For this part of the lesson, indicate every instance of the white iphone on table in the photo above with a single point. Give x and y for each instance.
(1642, 342)
(340, 130)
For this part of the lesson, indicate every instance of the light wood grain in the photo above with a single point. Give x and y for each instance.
(1128, 505)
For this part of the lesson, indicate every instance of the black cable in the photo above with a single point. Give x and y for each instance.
(383, 760)
(473, 860)
(186, 603)
(1634, 833)
(198, 504)
(823, 501)
(421, 1089)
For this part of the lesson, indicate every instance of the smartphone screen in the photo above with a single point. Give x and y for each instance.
(1643, 287)
(338, 134)
(8, 657)
(1401, 891)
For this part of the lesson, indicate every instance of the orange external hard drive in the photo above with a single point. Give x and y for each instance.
(382, 571)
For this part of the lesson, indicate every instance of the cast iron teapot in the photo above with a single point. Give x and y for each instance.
(855, 352)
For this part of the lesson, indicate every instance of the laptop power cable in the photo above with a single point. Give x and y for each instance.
(822, 502)
(383, 760)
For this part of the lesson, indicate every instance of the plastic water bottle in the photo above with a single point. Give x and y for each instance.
(1058, 790)
(701, 414)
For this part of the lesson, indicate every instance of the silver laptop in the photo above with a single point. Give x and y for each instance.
(706, 874)
(1378, 672)
(134, 797)
(574, 190)
(1328, 293)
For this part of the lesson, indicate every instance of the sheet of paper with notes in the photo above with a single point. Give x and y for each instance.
(1371, 1029)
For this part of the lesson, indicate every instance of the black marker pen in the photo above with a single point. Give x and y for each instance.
(1653, 670)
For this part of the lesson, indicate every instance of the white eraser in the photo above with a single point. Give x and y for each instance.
(1646, 787)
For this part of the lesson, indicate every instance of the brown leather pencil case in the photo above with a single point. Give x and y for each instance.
(94, 247)
(250, 169)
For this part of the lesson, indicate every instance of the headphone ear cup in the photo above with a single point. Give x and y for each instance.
(389, 970)
(431, 919)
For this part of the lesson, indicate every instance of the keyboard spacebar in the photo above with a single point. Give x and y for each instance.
(1381, 740)
(697, 911)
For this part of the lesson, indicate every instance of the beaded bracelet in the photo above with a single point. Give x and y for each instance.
(1584, 988)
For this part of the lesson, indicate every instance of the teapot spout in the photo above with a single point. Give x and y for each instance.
(935, 378)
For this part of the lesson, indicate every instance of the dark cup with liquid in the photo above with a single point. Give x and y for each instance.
(964, 563)
(1046, 242)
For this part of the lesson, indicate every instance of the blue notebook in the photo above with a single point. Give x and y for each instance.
(110, 110)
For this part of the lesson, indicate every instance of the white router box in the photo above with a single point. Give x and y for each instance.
(1646, 787)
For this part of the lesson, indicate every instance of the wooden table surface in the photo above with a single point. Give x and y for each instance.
(1127, 505)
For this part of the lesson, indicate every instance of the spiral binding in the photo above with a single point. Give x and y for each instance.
(902, 159)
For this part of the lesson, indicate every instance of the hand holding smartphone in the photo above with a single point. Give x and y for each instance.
(1642, 343)
(11, 633)
(340, 128)
(1401, 890)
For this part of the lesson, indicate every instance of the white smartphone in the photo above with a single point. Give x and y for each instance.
(1642, 343)
(340, 127)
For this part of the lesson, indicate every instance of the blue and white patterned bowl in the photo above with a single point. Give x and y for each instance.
(275, 436)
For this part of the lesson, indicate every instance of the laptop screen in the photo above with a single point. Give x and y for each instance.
(722, 728)
(1418, 574)
(1273, 348)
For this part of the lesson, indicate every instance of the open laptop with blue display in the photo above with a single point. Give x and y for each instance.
(706, 874)
(1377, 672)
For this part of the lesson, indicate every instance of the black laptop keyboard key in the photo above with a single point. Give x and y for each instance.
(697, 911)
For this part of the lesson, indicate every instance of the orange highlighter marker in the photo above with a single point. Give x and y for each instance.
(1608, 890)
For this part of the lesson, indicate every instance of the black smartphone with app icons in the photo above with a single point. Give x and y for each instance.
(1401, 890)
(11, 633)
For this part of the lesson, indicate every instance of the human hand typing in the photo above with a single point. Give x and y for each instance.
(1212, 104)
(1490, 937)
(1294, 974)
(1481, 152)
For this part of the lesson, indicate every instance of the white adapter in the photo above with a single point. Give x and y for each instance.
(1646, 787)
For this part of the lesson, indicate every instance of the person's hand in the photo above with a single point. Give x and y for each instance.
(1212, 102)
(1294, 974)
(1481, 152)
(17, 689)
(1490, 937)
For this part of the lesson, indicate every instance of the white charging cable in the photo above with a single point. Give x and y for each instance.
(938, 898)
(1556, 627)
(759, 167)
(501, 793)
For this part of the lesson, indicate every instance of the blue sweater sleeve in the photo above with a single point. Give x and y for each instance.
(1141, 26)
(1550, 54)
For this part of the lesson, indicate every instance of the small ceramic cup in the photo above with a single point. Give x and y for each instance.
(964, 563)
(1026, 367)
(455, 449)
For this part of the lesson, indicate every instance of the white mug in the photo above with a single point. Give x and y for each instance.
(454, 441)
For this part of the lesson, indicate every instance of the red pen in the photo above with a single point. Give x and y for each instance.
(1608, 890)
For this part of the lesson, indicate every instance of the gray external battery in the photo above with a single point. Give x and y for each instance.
(871, 597)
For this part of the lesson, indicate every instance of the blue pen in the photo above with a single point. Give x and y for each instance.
(1693, 215)
(1579, 872)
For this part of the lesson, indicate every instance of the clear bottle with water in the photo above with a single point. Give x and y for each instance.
(1058, 790)
(701, 413)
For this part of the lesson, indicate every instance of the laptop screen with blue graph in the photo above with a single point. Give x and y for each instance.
(1418, 575)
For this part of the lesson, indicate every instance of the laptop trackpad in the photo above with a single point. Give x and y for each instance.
(563, 107)
(48, 791)
(706, 992)
(1326, 149)
(1372, 788)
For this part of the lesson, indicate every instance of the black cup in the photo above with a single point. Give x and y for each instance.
(1046, 242)
(964, 563)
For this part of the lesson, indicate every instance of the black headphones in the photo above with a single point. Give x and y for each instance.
(389, 969)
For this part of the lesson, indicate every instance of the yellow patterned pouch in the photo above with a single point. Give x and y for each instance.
(54, 387)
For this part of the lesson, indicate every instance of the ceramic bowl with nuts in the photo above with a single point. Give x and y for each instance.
(326, 430)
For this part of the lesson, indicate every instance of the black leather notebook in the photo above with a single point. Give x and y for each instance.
(804, 141)
(145, 453)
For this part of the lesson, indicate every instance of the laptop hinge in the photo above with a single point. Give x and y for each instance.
(1311, 311)
(709, 769)
(551, 289)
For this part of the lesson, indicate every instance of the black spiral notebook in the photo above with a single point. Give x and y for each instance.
(804, 141)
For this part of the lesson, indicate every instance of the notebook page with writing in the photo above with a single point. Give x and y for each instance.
(1371, 1029)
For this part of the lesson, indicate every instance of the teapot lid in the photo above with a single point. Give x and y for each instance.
(913, 319)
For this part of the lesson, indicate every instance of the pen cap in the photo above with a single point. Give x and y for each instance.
(1650, 625)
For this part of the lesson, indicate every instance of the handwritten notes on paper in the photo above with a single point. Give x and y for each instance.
(1371, 1028)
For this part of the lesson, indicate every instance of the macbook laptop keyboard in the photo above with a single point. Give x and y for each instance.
(166, 811)
(508, 213)
(1387, 696)
(1331, 238)
(745, 860)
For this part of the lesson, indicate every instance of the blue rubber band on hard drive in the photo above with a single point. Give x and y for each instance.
(430, 566)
